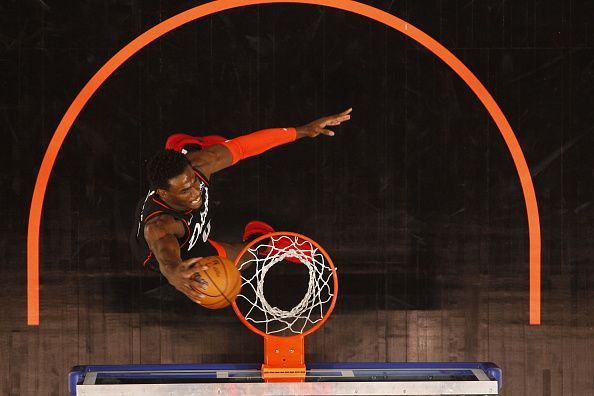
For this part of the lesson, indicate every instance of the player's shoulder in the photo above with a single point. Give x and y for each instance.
(160, 225)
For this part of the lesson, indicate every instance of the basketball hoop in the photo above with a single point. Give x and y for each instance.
(284, 329)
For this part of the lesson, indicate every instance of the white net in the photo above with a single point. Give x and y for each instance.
(320, 287)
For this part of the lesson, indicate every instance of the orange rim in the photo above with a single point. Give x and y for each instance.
(334, 278)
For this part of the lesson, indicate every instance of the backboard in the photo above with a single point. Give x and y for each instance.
(321, 379)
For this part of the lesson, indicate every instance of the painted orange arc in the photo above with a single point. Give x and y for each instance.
(221, 5)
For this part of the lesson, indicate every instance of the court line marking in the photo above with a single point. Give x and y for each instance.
(192, 14)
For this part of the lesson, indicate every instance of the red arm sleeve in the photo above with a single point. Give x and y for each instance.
(258, 142)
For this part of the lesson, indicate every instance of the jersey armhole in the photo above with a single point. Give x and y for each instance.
(187, 234)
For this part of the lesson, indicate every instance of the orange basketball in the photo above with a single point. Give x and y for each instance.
(224, 282)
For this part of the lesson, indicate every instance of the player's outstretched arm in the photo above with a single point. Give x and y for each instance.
(220, 156)
(160, 236)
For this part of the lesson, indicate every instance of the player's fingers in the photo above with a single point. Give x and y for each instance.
(189, 273)
(326, 132)
(193, 294)
(336, 120)
(200, 281)
(191, 262)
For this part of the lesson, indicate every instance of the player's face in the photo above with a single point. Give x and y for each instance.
(184, 191)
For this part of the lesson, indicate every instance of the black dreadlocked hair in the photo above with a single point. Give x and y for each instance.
(163, 166)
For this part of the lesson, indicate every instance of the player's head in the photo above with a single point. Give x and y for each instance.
(171, 176)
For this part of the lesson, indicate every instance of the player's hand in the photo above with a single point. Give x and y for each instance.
(318, 127)
(186, 279)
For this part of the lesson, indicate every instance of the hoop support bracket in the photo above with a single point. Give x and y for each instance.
(284, 359)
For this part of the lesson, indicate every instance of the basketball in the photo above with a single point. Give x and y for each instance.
(224, 282)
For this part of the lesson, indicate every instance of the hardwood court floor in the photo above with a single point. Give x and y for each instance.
(105, 319)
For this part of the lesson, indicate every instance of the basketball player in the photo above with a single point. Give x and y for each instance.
(173, 221)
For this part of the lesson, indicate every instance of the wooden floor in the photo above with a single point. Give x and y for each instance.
(83, 322)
